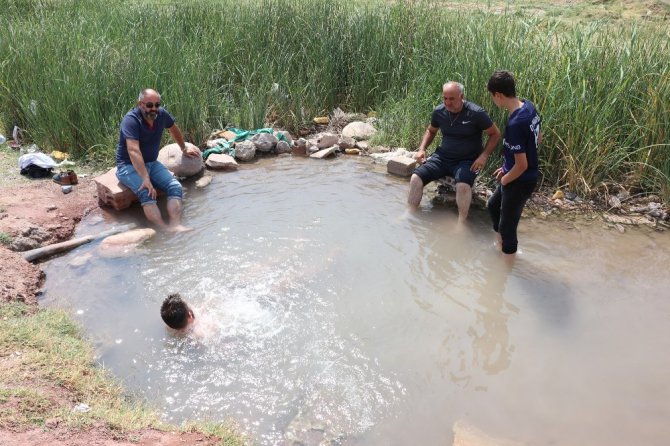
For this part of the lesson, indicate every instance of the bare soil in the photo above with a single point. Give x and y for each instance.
(26, 204)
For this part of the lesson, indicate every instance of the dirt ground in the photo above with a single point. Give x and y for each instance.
(26, 205)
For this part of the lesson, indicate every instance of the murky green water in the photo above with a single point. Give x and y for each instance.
(336, 317)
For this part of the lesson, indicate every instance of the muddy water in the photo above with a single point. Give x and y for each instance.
(335, 316)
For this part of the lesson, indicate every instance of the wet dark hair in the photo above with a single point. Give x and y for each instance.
(502, 81)
(175, 312)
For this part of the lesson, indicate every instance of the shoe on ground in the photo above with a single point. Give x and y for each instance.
(66, 178)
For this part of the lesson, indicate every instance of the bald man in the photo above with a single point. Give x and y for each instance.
(136, 159)
(461, 154)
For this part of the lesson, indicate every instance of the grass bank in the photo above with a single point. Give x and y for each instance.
(74, 67)
(47, 369)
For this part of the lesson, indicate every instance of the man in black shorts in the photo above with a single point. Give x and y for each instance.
(460, 155)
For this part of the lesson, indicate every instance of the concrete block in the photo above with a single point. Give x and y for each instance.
(221, 161)
(401, 165)
(112, 193)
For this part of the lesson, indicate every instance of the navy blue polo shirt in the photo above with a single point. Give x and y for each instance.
(521, 134)
(133, 126)
(461, 132)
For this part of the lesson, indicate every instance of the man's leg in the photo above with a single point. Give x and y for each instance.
(174, 212)
(464, 178)
(127, 175)
(165, 181)
(493, 206)
(153, 214)
(415, 191)
(463, 200)
(514, 197)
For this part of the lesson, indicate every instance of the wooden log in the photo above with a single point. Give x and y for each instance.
(38, 253)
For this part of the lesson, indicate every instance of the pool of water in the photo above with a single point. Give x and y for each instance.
(338, 316)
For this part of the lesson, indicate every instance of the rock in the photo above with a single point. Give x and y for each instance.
(358, 130)
(245, 150)
(346, 142)
(221, 161)
(558, 195)
(36, 233)
(620, 228)
(466, 435)
(363, 145)
(125, 242)
(283, 147)
(215, 142)
(384, 157)
(300, 147)
(264, 142)
(313, 149)
(177, 163)
(352, 151)
(51, 207)
(626, 220)
(286, 137)
(321, 120)
(21, 243)
(402, 166)
(227, 134)
(614, 202)
(80, 260)
(326, 140)
(112, 193)
(571, 196)
(379, 149)
(203, 181)
(324, 153)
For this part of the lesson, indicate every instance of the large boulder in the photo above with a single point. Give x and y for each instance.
(245, 150)
(358, 130)
(265, 142)
(179, 164)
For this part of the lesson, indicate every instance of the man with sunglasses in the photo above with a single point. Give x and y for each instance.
(137, 159)
(460, 154)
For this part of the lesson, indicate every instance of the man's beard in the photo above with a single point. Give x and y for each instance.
(151, 115)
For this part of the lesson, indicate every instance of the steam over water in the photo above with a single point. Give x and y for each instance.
(335, 315)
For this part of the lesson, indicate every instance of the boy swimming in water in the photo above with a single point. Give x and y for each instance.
(176, 313)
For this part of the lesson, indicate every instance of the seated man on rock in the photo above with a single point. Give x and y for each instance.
(136, 159)
(460, 154)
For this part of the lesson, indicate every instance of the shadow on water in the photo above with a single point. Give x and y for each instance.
(336, 316)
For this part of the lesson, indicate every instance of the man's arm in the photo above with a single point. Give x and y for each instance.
(493, 134)
(428, 137)
(520, 166)
(137, 160)
(186, 148)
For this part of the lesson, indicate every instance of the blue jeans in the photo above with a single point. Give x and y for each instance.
(505, 207)
(161, 179)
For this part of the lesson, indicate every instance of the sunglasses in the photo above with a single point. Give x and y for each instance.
(151, 104)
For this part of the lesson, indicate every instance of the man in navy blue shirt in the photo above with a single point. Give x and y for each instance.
(136, 159)
(460, 154)
(519, 172)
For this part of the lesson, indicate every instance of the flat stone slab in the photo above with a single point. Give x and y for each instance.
(324, 153)
(221, 161)
(402, 166)
(125, 242)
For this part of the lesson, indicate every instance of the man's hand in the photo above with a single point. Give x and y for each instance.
(498, 174)
(191, 150)
(146, 184)
(420, 156)
(479, 163)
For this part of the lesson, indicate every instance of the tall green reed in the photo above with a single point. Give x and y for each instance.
(71, 69)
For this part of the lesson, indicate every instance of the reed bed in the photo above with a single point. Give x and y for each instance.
(70, 69)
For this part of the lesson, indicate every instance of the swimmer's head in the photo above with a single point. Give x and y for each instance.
(176, 313)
